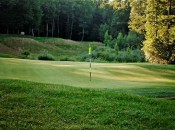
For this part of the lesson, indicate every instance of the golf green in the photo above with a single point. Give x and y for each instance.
(76, 74)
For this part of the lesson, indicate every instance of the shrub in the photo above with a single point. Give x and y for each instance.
(83, 57)
(25, 54)
(106, 53)
(107, 39)
(130, 56)
(46, 56)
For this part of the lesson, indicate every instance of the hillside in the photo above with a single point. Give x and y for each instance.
(29, 105)
(57, 48)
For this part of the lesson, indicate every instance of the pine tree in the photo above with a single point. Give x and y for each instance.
(138, 16)
(107, 38)
(121, 41)
(159, 46)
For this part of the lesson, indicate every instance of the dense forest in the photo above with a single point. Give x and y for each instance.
(147, 25)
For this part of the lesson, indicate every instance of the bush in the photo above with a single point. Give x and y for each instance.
(107, 54)
(46, 56)
(130, 56)
(25, 54)
(83, 57)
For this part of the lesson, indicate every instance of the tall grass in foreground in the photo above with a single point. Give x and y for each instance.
(29, 105)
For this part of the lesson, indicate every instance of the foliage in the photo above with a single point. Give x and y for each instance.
(106, 54)
(107, 38)
(77, 20)
(46, 56)
(119, 23)
(159, 46)
(134, 40)
(116, 48)
(25, 53)
(121, 41)
(130, 56)
(102, 30)
(102, 54)
(138, 16)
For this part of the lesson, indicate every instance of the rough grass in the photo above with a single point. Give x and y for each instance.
(29, 105)
(61, 49)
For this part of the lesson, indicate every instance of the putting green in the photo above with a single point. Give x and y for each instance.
(104, 75)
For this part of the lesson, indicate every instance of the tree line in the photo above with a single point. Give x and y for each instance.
(121, 24)
(70, 19)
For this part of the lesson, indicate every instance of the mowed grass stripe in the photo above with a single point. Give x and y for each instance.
(104, 75)
(29, 105)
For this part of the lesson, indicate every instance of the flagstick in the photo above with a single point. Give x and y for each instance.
(90, 67)
(90, 56)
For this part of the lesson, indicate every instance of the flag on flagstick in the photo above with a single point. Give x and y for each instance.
(90, 49)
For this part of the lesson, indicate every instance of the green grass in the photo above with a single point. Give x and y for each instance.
(60, 49)
(29, 105)
(39, 39)
(58, 95)
(6, 55)
(138, 78)
(4, 36)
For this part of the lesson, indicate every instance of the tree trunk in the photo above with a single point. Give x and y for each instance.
(58, 26)
(47, 29)
(61, 33)
(67, 28)
(33, 34)
(53, 27)
(7, 30)
(13, 30)
(38, 32)
(29, 31)
(82, 38)
(71, 29)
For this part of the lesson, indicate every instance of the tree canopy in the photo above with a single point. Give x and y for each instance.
(136, 24)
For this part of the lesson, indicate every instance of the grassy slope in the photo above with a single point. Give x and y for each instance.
(28, 105)
(13, 45)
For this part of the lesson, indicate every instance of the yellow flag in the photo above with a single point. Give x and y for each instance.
(90, 50)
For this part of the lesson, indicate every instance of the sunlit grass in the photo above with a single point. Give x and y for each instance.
(77, 73)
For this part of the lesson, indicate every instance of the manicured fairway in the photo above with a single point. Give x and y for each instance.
(76, 74)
